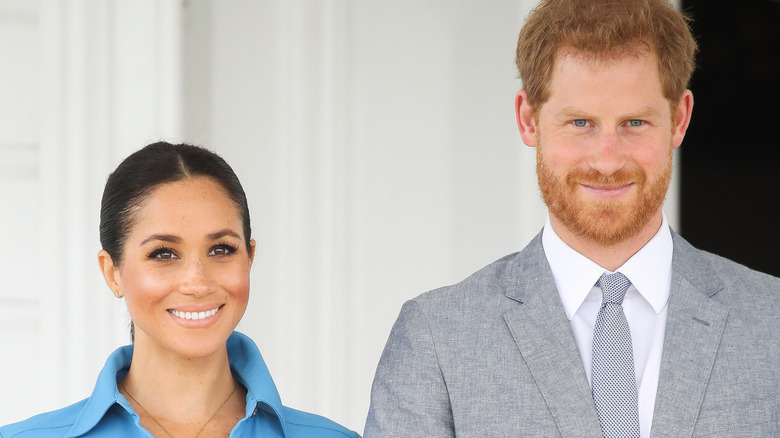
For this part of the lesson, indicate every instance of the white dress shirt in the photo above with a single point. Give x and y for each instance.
(645, 305)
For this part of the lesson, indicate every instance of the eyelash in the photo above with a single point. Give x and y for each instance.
(231, 249)
(157, 252)
(628, 123)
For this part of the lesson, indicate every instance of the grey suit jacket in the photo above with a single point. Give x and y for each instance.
(494, 356)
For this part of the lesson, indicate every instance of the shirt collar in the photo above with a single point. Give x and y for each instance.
(106, 392)
(649, 270)
(247, 365)
(250, 370)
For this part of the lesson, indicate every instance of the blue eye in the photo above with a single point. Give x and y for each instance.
(580, 123)
(636, 122)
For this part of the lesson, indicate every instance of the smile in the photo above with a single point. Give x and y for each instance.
(194, 315)
(608, 191)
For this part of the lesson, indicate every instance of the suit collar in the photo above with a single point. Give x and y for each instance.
(529, 272)
(529, 269)
(689, 264)
(546, 344)
(694, 328)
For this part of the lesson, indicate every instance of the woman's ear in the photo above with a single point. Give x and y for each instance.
(252, 248)
(110, 273)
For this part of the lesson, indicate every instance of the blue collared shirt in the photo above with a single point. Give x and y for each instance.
(107, 413)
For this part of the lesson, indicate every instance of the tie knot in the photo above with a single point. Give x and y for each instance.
(613, 287)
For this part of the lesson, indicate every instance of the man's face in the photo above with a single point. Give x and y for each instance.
(604, 145)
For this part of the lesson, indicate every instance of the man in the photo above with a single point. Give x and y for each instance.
(548, 342)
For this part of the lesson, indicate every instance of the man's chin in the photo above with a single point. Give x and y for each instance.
(608, 237)
(606, 225)
(607, 228)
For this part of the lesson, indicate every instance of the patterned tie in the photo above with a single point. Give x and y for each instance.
(612, 377)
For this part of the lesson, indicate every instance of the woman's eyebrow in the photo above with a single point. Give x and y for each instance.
(222, 233)
(176, 239)
(164, 237)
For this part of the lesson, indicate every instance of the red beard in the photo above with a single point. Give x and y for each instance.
(606, 222)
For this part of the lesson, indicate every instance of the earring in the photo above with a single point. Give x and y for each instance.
(118, 294)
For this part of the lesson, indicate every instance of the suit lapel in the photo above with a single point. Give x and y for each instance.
(542, 333)
(694, 327)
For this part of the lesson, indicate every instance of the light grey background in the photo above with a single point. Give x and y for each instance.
(376, 141)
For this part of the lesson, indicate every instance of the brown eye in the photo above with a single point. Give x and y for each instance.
(222, 250)
(163, 254)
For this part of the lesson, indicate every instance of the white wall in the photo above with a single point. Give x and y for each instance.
(82, 83)
(378, 147)
(376, 141)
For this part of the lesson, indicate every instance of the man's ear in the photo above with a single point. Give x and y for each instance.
(526, 122)
(110, 273)
(682, 118)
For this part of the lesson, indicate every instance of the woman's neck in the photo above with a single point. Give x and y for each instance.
(176, 390)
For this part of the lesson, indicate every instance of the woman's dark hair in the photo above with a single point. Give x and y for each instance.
(143, 171)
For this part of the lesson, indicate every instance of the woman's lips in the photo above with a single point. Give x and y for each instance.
(190, 314)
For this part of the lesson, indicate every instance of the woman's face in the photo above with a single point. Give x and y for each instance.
(185, 269)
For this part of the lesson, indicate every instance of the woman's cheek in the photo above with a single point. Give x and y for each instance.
(150, 285)
(239, 282)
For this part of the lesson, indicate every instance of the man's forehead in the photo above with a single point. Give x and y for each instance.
(584, 84)
(637, 50)
(580, 63)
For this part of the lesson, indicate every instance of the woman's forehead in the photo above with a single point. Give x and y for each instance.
(191, 204)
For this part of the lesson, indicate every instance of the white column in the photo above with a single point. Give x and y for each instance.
(22, 262)
(103, 80)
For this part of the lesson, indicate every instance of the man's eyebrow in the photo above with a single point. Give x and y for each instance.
(164, 237)
(570, 112)
(222, 233)
(644, 113)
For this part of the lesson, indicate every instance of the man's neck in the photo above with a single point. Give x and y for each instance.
(609, 257)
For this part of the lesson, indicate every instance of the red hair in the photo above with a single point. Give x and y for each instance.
(605, 29)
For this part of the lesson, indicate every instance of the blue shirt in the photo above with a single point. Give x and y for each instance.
(107, 413)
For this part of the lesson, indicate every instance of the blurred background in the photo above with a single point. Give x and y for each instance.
(729, 165)
(375, 139)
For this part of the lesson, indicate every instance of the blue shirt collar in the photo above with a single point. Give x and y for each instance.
(250, 370)
(247, 365)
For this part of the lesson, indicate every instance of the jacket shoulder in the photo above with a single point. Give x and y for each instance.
(304, 424)
(745, 288)
(485, 285)
(49, 424)
(751, 296)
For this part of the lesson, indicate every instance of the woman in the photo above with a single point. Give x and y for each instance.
(175, 232)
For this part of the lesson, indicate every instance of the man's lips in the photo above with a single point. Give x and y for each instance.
(611, 191)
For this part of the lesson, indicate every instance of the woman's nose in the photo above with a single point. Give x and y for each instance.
(195, 280)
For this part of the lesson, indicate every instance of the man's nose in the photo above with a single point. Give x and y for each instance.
(607, 155)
